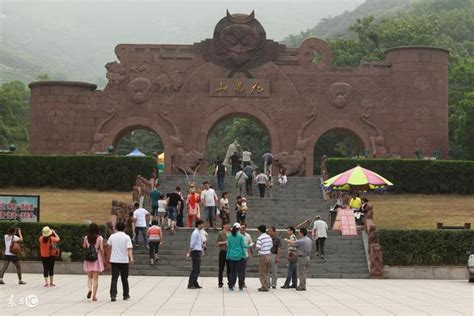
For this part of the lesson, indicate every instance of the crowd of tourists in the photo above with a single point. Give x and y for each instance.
(236, 247)
(204, 209)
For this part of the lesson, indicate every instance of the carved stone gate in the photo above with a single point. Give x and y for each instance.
(181, 92)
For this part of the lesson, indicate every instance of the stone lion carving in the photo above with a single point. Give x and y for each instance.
(170, 81)
(139, 90)
(115, 74)
(293, 163)
(188, 163)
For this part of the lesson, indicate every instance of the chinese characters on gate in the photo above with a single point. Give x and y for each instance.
(239, 87)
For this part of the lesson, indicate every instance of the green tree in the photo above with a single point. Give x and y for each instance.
(146, 141)
(43, 76)
(335, 144)
(249, 134)
(14, 115)
(466, 127)
(461, 102)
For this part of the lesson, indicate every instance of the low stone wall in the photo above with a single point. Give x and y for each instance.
(426, 272)
(60, 267)
(440, 273)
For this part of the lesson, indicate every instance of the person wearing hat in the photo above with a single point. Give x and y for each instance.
(236, 254)
(48, 253)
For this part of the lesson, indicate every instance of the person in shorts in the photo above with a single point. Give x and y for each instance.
(162, 204)
(12, 235)
(174, 202)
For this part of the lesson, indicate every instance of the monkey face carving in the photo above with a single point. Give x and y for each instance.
(238, 36)
(139, 90)
(340, 94)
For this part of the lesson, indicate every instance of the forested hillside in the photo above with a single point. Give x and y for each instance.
(338, 26)
(440, 23)
(73, 39)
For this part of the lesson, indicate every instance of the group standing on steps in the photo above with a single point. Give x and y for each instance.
(236, 246)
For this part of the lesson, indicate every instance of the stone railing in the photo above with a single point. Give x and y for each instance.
(374, 248)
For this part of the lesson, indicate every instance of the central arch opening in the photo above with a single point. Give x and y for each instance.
(138, 137)
(342, 143)
(250, 134)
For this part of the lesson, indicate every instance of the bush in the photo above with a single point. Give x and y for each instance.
(426, 247)
(71, 238)
(415, 176)
(87, 172)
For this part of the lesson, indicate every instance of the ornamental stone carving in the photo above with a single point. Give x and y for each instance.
(139, 90)
(312, 46)
(181, 92)
(115, 74)
(422, 113)
(293, 163)
(421, 82)
(239, 44)
(340, 94)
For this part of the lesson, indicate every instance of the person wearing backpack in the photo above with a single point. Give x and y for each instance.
(267, 161)
(93, 259)
(48, 253)
(240, 180)
(249, 172)
(12, 238)
(220, 172)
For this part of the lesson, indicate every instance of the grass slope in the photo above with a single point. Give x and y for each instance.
(415, 211)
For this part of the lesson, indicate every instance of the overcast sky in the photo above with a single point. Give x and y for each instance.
(279, 17)
(80, 35)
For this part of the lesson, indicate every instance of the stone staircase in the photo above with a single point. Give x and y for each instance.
(299, 200)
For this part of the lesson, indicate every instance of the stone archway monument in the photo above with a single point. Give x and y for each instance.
(396, 107)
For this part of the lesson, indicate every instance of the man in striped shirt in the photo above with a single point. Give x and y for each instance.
(264, 245)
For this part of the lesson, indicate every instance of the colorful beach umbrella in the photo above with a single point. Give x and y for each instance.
(357, 179)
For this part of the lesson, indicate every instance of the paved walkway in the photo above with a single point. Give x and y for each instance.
(169, 296)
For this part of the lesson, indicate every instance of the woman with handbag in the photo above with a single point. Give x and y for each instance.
(12, 250)
(93, 259)
(48, 253)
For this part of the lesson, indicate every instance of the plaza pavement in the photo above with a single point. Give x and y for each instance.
(169, 296)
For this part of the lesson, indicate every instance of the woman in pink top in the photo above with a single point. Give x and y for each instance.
(93, 268)
(155, 238)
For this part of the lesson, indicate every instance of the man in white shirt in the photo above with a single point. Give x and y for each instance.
(195, 252)
(320, 233)
(209, 199)
(246, 157)
(120, 257)
(140, 219)
(264, 246)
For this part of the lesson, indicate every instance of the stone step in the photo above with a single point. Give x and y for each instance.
(301, 199)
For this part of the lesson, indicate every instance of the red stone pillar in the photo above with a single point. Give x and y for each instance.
(420, 90)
